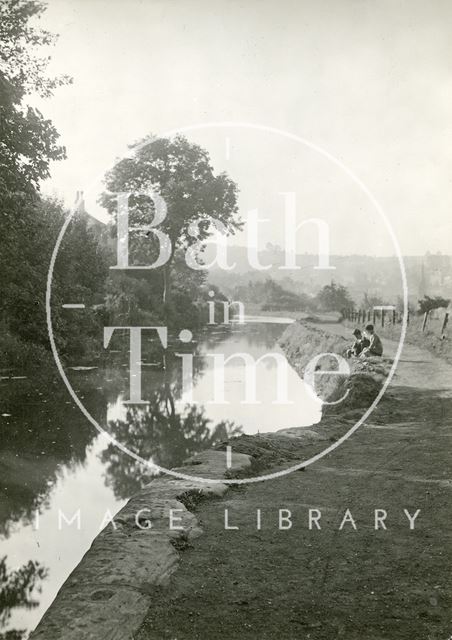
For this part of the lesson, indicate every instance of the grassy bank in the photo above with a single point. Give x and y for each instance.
(18, 356)
(301, 342)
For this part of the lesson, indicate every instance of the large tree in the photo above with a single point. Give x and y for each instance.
(29, 223)
(181, 173)
(28, 141)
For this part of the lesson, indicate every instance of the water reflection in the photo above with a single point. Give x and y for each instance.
(162, 432)
(52, 459)
(40, 434)
(17, 589)
(161, 435)
(48, 461)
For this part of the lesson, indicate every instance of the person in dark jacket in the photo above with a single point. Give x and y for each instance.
(375, 347)
(357, 347)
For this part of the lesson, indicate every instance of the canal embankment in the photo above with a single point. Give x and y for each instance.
(127, 582)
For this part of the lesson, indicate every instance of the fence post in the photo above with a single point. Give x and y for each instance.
(443, 328)
(359, 316)
(368, 315)
(408, 316)
(393, 316)
(374, 317)
(382, 317)
(424, 324)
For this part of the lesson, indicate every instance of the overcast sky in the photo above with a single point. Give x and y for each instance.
(370, 82)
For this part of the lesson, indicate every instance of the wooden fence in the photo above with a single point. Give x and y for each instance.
(387, 317)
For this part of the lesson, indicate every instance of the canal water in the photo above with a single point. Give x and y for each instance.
(55, 465)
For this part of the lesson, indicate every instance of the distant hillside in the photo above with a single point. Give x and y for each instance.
(377, 276)
(271, 296)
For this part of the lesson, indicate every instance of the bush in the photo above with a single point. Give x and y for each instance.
(428, 304)
(20, 356)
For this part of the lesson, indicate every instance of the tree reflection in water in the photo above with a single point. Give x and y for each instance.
(265, 338)
(16, 590)
(162, 431)
(39, 440)
(159, 434)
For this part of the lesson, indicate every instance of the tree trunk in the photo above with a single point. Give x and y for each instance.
(166, 294)
(166, 283)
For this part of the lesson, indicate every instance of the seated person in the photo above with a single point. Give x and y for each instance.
(375, 347)
(360, 343)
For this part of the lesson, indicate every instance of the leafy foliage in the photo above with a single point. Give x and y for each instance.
(24, 263)
(271, 296)
(20, 57)
(428, 304)
(16, 590)
(161, 434)
(28, 141)
(334, 297)
(181, 173)
(29, 223)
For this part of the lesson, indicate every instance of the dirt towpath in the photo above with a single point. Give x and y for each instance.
(417, 367)
(390, 583)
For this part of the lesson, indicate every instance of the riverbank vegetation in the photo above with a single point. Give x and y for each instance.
(179, 171)
(30, 222)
